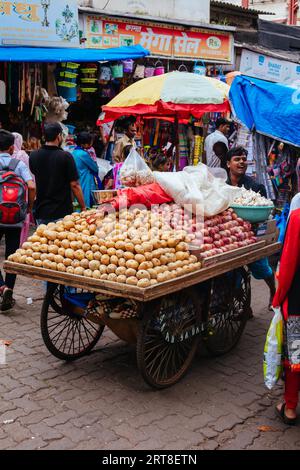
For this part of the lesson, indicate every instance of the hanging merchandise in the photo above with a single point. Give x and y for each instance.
(159, 68)
(88, 78)
(128, 65)
(199, 69)
(2, 92)
(105, 73)
(182, 68)
(198, 146)
(67, 81)
(149, 71)
(117, 70)
(139, 72)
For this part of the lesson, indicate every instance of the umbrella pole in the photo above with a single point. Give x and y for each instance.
(177, 143)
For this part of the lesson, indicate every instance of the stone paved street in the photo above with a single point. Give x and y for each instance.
(101, 402)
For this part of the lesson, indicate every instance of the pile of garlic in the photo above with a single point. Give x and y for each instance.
(130, 247)
(247, 197)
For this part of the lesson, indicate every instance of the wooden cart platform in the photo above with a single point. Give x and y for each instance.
(222, 264)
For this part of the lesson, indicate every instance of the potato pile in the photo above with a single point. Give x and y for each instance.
(133, 247)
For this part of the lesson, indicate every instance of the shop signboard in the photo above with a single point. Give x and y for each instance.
(269, 68)
(39, 22)
(160, 39)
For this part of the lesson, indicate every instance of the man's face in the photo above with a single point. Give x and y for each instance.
(132, 131)
(238, 165)
(225, 128)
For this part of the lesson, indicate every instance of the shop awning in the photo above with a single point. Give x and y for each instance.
(59, 54)
(269, 108)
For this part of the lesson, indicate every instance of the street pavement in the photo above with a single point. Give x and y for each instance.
(101, 402)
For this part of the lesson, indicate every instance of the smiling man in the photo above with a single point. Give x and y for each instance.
(237, 167)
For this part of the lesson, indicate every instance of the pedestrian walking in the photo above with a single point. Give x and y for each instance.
(21, 155)
(86, 166)
(56, 178)
(287, 297)
(12, 215)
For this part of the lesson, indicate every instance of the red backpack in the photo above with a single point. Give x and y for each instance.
(13, 195)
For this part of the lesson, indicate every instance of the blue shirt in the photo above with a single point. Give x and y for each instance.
(21, 170)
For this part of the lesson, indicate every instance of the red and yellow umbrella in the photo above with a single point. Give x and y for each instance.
(175, 94)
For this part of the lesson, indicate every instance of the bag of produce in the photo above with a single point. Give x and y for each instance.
(135, 172)
(147, 195)
(273, 350)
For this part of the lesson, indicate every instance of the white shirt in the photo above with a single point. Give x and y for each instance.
(211, 159)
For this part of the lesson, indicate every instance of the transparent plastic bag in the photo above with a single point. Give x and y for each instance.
(104, 166)
(273, 350)
(135, 172)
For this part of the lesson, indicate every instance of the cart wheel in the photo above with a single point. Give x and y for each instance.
(228, 311)
(168, 338)
(66, 331)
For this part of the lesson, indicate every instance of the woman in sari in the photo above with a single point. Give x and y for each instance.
(287, 297)
(86, 166)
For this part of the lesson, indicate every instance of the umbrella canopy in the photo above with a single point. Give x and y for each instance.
(271, 109)
(175, 94)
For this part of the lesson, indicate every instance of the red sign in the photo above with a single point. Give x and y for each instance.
(160, 40)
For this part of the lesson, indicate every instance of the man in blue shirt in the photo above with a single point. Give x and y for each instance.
(12, 234)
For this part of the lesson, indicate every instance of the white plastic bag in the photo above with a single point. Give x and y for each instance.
(273, 350)
(196, 186)
(135, 172)
(104, 166)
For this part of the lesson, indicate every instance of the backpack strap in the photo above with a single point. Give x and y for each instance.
(13, 164)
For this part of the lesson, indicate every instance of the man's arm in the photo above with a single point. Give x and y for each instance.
(31, 194)
(77, 192)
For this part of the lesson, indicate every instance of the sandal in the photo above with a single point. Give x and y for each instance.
(281, 414)
(7, 300)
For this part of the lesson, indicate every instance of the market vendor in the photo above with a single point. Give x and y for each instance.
(236, 169)
(129, 128)
(220, 135)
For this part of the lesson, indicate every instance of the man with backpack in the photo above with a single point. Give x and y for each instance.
(15, 183)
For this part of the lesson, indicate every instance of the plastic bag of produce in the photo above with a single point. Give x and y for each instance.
(135, 172)
(147, 195)
(273, 350)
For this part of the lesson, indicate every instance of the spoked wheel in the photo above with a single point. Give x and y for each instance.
(228, 311)
(168, 338)
(67, 332)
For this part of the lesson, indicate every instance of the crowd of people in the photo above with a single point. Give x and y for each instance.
(55, 177)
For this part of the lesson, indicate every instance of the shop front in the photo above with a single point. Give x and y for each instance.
(45, 74)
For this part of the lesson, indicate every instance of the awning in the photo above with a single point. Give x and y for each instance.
(269, 108)
(59, 54)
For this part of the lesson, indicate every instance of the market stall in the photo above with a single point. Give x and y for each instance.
(179, 97)
(162, 279)
(269, 114)
(41, 84)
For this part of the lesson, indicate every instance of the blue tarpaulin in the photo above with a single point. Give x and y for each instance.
(59, 54)
(269, 108)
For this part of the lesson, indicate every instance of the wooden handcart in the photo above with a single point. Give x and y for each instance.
(211, 305)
